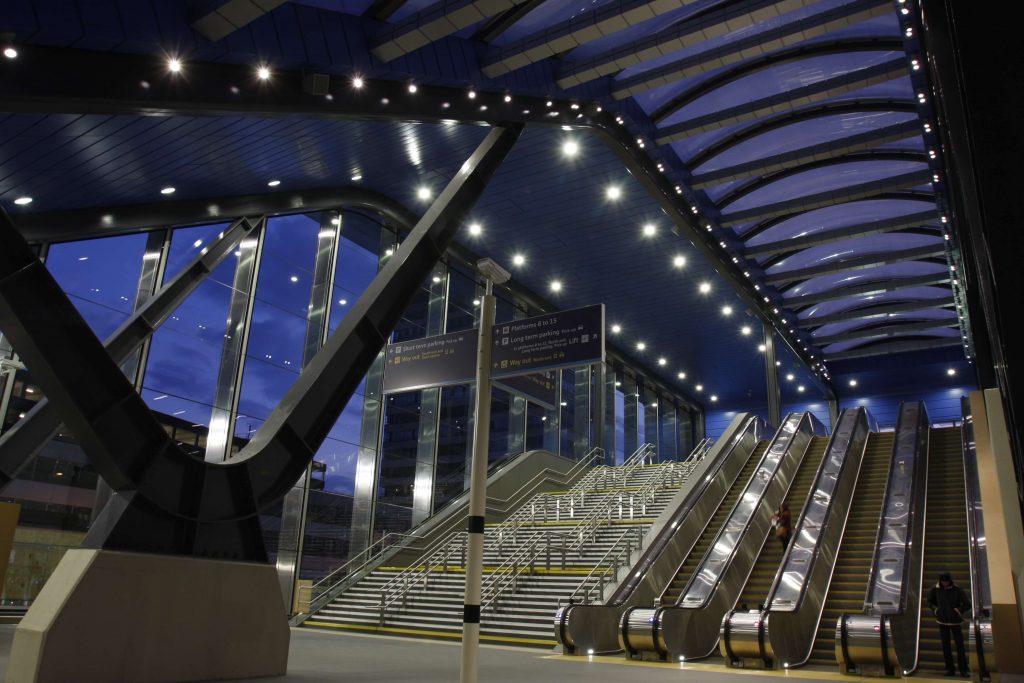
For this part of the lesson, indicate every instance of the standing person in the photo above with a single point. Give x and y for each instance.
(783, 522)
(949, 604)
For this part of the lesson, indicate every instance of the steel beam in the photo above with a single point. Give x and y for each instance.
(227, 17)
(867, 313)
(839, 195)
(867, 289)
(915, 220)
(71, 81)
(745, 47)
(381, 10)
(788, 118)
(498, 25)
(686, 33)
(895, 347)
(818, 91)
(578, 30)
(771, 371)
(857, 263)
(885, 331)
(442, 18)
(166, 501)
(744, 69)
(831, 149)
(29, 435)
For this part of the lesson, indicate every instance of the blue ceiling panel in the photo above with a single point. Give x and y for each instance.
(841, 215)
(819, 180)
(873, 244)
(939, 295)
(805, 134)
(936, 314)
(356, 7)
(549, 13)
(777, 79)
(937, 333)
(877, 274)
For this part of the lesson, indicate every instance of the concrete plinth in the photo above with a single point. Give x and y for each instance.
(111, 616)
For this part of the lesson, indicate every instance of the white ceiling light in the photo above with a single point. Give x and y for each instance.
(22, 201)
(790, 377)
(800, 388)
(951, 372)
(167, 190)
(613, 192)
(475, 229)
(570, 148)
(556, 286)
(640, 346)
(616, 329)
(356, 177)
(679, 261)
(273, 183)
(699, 387)
(263, 73)
(746, 330)
(726, 310)
(649, 230)
(662, 361)
(681, 375)
(714, 398)
(413, 88)
(853, 382)
(704, 287)
(518, 259)
(10, 52)
(424, 193)
(762, 348)
(357, 83)
(173, 64)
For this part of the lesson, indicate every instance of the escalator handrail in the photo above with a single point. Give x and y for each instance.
(840, 438)
(658, 544)
(895, 540)
(807, 422)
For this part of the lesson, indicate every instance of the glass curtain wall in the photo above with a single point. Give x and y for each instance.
(224, 359)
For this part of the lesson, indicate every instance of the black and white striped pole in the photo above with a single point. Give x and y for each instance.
(478, 475)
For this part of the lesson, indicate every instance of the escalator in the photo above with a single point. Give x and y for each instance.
(945, 539)
(853, 564)
(760, 580)
(682, 577)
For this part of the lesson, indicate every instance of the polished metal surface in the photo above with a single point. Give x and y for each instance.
(743, 638)
(893, 601)
(797, 596)
(597, 627)
(864, 645)
(638, 630)
(982, 651)
(690, 629)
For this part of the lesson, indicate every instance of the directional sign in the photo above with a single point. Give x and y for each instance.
(547, 342)
(540, 387)
(434, 361)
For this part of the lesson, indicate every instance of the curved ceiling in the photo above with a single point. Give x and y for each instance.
(800, 130)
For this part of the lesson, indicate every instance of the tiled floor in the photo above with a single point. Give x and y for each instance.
(318, 657)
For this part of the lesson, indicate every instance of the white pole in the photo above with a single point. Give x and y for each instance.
(478, 493)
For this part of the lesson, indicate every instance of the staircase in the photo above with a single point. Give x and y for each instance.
(534, 559)
(850, 577)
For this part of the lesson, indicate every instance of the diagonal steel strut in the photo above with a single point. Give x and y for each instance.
(166, 501)
(30, 434)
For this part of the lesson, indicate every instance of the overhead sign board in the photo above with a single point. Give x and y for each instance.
(548, 342)
(525, 355)
(430, 362)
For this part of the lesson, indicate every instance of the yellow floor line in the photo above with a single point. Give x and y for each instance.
(801, 673)
(430, 634)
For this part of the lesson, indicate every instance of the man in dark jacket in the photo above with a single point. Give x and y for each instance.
(949, 605)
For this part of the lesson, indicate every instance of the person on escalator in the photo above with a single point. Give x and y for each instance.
(782, 520)
(949, 604)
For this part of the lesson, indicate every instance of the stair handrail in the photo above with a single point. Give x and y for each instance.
(325, 586)
(623, 545)
(700, 450)
(594, 456)
(437, 553)
(507, 573)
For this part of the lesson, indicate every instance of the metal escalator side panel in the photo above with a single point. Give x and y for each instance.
(981, 653)
(892, 598)
(796, 600)
(583, 628)
(691, 629)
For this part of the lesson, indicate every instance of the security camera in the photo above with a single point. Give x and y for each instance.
(492, 271)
